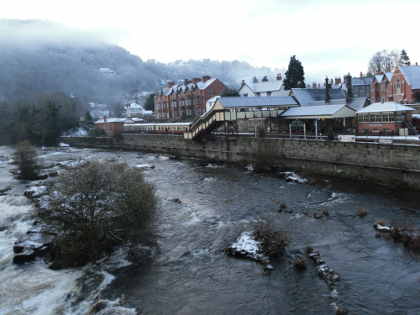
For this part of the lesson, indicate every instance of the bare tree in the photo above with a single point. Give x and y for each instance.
(384, 61)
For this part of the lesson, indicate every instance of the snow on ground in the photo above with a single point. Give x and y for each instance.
(247, 246)
(293, 177)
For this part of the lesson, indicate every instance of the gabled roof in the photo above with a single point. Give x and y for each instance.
(385, 107)
(389, 75)
(257, 101)
(306, 96)
(319, 111)
(379, 77)
(412, 75)
(272, 85)
(182, 86)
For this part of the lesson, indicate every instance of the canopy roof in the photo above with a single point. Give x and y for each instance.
(317, 112)
(385, 107)
(257, 101)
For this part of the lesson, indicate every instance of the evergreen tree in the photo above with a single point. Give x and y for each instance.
(150, 102)
(295, 76)
(404, 59)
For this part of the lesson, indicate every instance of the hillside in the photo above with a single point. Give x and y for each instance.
(38, 57)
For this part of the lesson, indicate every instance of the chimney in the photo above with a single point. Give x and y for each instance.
(206, 78)
(170, 84)
(349, 86)
(195, 80)
(327, 91)
(104, 119)
(361, 74)
(279, 78)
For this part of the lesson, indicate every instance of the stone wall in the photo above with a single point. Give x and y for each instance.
(379, 163)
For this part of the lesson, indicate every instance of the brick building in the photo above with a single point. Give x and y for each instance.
(402, 86)
(187, 99)
(381, 88)
(386, 118)
(111, 126)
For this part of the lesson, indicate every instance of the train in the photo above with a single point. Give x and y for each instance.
(158, 128)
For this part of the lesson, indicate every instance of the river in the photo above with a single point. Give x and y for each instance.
(188, 272)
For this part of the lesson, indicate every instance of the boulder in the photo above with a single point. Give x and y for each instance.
(33, 245)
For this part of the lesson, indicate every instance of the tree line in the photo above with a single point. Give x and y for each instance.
(40, 120)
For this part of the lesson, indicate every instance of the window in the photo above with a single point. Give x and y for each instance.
(268, 93)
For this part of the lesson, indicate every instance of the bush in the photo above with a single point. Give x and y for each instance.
(95, 208)
(273, 242)
(26, 160)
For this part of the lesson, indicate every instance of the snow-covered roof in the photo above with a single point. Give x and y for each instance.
(360, 81)
(379, 77)
(356, 102)
(389, 75)
(258, 101)
(412, 75)
(182, 86)
(110, 120)
(321, 110)
(385, 107)
(306, 96)
(267, 86)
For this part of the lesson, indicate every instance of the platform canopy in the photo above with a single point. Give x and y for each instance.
(384, 108)
(319, 112)
(256, 102)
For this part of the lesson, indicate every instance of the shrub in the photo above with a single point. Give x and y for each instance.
(26, 160)
(272, 242)
(95, 208)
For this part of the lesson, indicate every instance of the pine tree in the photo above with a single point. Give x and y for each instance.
(295, 76)
(404, 59)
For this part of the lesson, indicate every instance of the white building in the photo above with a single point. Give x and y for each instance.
(137, 110)
(265, 87)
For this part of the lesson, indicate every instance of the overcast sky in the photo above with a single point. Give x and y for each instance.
(330, 37)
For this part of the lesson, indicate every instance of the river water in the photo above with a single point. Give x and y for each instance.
(188, 273)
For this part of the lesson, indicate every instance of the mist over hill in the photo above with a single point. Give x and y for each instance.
(42, 57)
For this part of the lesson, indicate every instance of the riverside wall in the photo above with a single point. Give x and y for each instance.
(387, 164)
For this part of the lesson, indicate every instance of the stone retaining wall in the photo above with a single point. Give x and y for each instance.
(395, 165)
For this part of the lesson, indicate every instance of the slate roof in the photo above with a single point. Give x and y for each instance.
(258, 101)
(322, 110)
(358, 81)
(268, 86)
(306, 96)
(182, 87)
(385, 107)
(356, 103)
(412, 75)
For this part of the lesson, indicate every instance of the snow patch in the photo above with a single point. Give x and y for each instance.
(293, 177)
